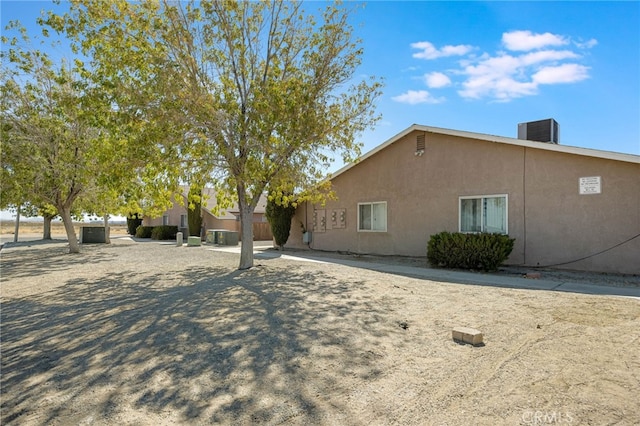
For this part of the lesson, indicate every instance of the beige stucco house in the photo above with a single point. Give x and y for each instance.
(566, 207)
(212, 218)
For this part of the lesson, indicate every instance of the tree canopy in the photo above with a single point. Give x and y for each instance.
(48, 140)
(66, 146)
(263, 93)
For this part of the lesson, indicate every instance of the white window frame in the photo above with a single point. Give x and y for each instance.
(184, 222)
(165, 220)
(482, 197)
(386, 216)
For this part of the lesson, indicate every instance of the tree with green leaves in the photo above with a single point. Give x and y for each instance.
(268, 89)
(67, 145)
(279, 216)
(49, 140)
(194, 210)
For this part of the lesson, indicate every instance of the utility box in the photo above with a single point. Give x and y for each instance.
(193, 241)
(212, 236)
(222, 237)
(93, 234)
(227, 238)
(306, 237)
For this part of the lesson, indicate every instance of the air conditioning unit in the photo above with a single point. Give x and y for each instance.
(540, 131)
(93, 234)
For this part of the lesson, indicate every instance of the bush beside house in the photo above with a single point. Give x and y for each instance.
(162, 232)
(144, 231)
(469, 251)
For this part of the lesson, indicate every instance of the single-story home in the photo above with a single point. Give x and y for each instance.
(225, 218)
(566, 207)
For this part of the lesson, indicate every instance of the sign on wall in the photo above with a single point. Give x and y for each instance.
(590, 185)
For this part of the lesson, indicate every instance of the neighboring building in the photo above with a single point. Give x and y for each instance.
(227, 219)
(567, 207)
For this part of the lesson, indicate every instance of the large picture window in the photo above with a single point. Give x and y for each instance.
(484, 214)
(372, 217)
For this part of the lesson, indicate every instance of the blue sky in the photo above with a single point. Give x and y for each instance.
(487, 66)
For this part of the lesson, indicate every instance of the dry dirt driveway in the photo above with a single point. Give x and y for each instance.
(152, 334)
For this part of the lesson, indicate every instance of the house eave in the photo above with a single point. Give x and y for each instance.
(609, 155)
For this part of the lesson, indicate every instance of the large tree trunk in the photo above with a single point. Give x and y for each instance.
(17, 228)
(246, 235)
(106, 229)
(46, 228)
(65, 213)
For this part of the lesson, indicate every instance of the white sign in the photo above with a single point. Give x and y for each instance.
(590, 185)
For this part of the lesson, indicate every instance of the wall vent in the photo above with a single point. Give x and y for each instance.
(420, 145)
(540, 131)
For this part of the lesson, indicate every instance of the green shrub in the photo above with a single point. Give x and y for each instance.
(279, 218)
(133, 221)
(144, 231)
(469, 251)
(164, 232)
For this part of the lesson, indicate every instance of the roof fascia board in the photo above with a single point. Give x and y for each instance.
(608, 155)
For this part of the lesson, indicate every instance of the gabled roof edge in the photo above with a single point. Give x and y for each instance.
(589, 152)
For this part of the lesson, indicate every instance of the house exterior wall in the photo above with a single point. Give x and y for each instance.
(550, 221)
(211, 222)
(261, 229)
(173, 213)
(563, 225)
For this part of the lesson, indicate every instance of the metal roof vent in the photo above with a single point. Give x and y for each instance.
(540, 131)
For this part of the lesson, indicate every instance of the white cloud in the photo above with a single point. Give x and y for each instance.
(429, 51)
(413, 97)
(566, 73)
(502, 89)
(437, 80)
(528, 61)
(587, 44)
(526, 40)
(507, 77)
(534, 58)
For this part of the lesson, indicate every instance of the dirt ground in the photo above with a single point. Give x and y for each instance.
(148, 333)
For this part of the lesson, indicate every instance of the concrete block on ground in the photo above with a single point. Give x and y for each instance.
(193, 242)
(179, 239)
(467, 335)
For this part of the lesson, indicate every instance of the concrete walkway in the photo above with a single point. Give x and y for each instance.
(263, 250)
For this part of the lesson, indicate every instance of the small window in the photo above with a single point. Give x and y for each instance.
(372, 217)
(484, 214)
(183, 221)
(165, 219)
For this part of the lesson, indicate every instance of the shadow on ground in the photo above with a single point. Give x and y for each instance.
(209, 345)
(29, 259)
